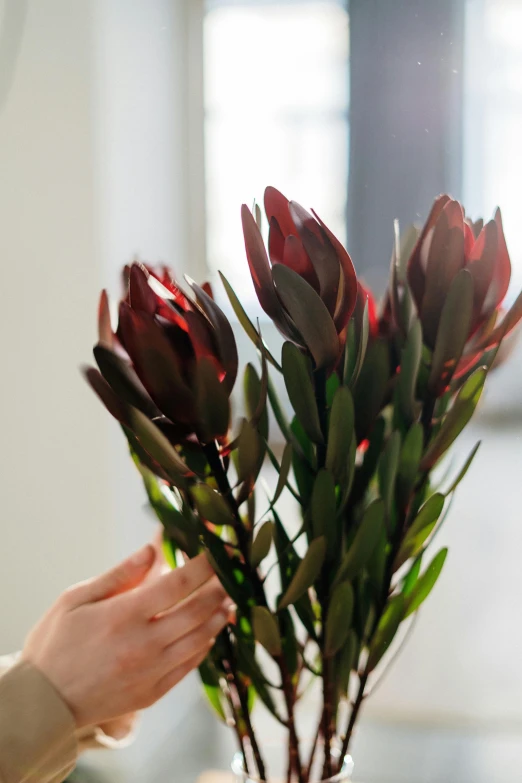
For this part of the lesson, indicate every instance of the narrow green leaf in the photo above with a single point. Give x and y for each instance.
(310, 315)
(297, 372)
(464, 469)
(261, 544)
(453, 331)
(245, 321)
(211, 505)
(421, 528)
(340, 433)
(350, 352)
(339, 618)
(211, 402)
(346, 662)
(366, 539)
(158, 446)
(426, 582)
(250, 449)
(370, 389)
(388, 466)
(255, 399)
(409, 460)
(457, 417)
(410, 580)
(307, 572)
(286, 464)
(407, 380)
(266, 630)
(323, 510)
(212, 688)
(362, 334)
(386, 630)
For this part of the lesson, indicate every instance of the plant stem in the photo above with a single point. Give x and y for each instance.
(427, 417)
(288, 690)
(320, 395)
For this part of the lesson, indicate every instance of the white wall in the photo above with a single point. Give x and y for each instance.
(55, 483)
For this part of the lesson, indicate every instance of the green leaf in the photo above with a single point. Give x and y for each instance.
(346, 661)
(407, 380)
(158, 446)
(366, 539)
(457, 417)
(362, 334)
(426, 582)
(289, 641)
(210, 681)
(261, 544)
(388, 466)
(323, 510)
(255, 399)
(409, 461)
(386, 630)
(123, 380)
(250, 452)
(266, 630)
(211, 402)
(464, 469)
(410, 580)
(307, 572)
(286, 464)
(370, 389)
(340, 433)
(310, 315)
(339, 618)
(350, 352)
(453, 331)
(245, 321)
(421, 528)
(211, 505)
(250, 667)
(297, 372)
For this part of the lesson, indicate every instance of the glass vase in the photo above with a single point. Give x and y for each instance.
(277, 769)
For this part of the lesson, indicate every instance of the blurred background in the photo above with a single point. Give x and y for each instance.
(137, 128)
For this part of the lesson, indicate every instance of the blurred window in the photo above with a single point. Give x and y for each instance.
(276, 113)
(493, 118)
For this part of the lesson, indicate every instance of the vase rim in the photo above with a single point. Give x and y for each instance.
(343, 775)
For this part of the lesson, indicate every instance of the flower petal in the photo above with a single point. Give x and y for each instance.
(481, 264)
(321, 253)
(295, 257)
(346, 304)
(278, 207)
(141, 295)
(259, 265)
(156, 364)
(416, 273)
(223, 334)
(445, 260)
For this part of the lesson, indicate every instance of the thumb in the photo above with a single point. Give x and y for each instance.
(128, 574)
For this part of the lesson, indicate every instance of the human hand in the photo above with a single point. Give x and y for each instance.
(118, 643)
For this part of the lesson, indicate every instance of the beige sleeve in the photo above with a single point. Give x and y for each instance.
(38, 742)
(44, 703)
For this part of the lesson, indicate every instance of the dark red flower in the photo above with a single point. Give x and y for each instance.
(306, 282)
(172, 358)
(451, 247)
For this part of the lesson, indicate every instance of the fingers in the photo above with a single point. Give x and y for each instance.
(169, 589)
(201, 638)
(123, 577)
(175, 675)
(192, 612)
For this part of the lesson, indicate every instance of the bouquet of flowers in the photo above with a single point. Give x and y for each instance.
(377, 394)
